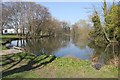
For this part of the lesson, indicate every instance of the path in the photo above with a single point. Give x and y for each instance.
(10, 51)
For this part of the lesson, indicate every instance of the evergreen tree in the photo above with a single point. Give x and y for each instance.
(112, 23)
(97, 34)
(110, 32)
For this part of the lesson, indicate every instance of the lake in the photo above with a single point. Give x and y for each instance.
(60, 47)
(69, 47)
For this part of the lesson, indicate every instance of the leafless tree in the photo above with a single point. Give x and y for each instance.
(32, 17)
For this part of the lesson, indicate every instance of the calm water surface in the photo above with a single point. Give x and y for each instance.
(70, 47)
(60, 47)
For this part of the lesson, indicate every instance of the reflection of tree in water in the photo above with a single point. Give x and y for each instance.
(21, 43)
(80, 41)
(46, 45)
(108, 53)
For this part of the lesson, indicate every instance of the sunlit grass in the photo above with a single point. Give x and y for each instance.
(70, 67)
(59, 68)
(8, 36)
(3, 47)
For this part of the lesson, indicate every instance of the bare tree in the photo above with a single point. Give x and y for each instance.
(34, 18)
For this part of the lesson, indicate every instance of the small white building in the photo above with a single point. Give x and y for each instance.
(12, 31)
(9, 31)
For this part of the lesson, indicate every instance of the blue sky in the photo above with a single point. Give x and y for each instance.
(57, 0)
(71, 11)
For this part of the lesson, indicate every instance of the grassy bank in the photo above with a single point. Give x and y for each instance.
(8, 36)
(5, 38)
(3, 47)
(26, 65)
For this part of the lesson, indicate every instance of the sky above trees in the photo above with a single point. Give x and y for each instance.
(59, 0)
(72, 11)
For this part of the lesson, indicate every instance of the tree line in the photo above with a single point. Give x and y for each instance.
(34, 19)
(31, 19)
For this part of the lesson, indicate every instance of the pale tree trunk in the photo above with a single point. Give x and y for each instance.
(106, 36)
(105, 14)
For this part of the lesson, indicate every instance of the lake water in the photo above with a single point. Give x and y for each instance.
(58, 47)
(69, 47)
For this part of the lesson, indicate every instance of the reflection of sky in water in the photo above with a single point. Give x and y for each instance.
(15, 42)
(72, 50)
(69, 50)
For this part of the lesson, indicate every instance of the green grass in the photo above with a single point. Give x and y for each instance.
(8, 36)
(58, 68)
(70, 67)
(4, 38)
(3, 47)
(1, 41)
(25, 74)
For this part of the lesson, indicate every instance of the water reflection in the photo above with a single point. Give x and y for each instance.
(108, 54)
(45, 45)
(58, 46)
(72, 50)
(19, 43)
(74, 47)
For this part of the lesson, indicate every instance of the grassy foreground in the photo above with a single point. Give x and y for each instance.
(26, 65)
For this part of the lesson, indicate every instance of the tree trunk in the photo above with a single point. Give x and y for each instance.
(106, 36)
(105, 13)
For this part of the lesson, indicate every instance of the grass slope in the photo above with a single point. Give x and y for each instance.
(58, 68)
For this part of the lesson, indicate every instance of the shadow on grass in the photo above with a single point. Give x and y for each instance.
(7, 60)
(33, 63)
